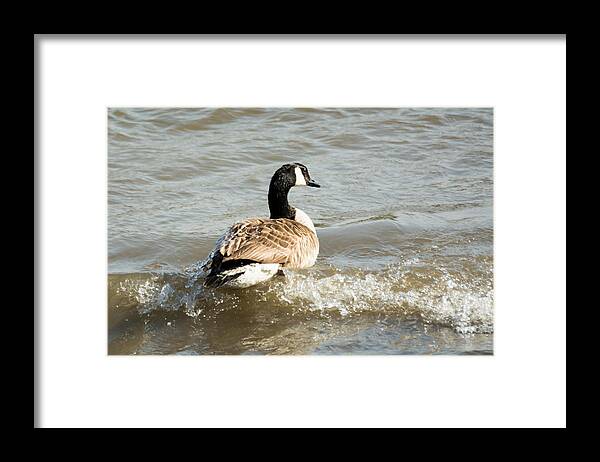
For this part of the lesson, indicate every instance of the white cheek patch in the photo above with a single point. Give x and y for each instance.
(300, 181)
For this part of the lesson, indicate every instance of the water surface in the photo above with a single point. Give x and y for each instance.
(404, 219)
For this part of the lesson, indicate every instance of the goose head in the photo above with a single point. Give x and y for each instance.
(285, 178)
(294, 174)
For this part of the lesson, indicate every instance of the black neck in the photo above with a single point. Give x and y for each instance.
(278, 203)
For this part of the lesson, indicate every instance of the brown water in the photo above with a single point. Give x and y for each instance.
(404, 219)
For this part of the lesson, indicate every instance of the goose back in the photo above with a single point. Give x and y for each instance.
(286, 242)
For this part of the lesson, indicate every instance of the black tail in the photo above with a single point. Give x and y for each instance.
(219, 279)
(219, 273)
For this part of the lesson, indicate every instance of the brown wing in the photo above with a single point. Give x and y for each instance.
(282, 241)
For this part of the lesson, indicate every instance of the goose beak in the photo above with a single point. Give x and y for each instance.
(313, 184)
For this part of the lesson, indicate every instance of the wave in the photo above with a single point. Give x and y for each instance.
(460, 298)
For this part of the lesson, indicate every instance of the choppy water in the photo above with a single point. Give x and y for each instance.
(404, 218)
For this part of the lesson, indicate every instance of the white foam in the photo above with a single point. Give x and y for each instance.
(467, 308)
(461, 299)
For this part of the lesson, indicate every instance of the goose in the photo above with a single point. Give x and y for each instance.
(256, 249)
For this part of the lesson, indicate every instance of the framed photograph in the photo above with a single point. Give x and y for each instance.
(290, 231)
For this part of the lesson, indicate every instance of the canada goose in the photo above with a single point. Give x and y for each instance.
(256, 249)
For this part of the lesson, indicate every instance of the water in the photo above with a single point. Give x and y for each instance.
(404, 219)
